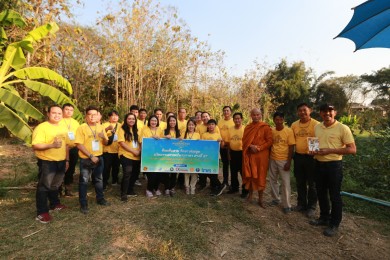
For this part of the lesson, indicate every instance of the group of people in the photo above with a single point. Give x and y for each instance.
(253, 151)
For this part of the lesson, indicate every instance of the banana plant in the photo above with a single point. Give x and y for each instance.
(14, 110)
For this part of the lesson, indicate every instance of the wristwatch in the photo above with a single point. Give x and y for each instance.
(90, 156)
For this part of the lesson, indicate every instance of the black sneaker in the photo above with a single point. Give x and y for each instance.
(331, 231)
(319, 222)
(103, 202)
(84, 210)
(220, 190)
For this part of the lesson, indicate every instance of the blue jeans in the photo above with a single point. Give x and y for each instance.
(87, 169)
(51, 174)
(329, 176)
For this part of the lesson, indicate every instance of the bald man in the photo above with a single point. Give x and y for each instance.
(256, 143)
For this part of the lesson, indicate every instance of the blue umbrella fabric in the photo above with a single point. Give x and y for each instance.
(370, 25)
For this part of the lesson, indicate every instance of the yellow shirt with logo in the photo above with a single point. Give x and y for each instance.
(71, 125)
(86, 134)
(281, 141)
(182, 126)
(45, 133)
(132, 144)
(301, 132)
(335, 136)
(235, 138)
(114, 147)
(224, 126)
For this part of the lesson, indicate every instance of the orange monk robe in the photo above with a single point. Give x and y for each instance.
(255, 165)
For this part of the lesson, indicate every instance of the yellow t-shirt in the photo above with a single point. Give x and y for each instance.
(335, 136)
(182, 126)
(45, 133)
(148, 133)
(132, 144)
(194, 136)
(224, 126)
(235, 138)
(281, 141)
(162, 125)
(208, 136)
(141, 125)
(301, 133)
(114, 147)
(71, 126)
(86, 134)
(201, 129)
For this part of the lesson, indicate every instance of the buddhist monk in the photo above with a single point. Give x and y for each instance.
(256, 144)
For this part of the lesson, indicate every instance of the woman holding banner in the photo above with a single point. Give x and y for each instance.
(190, 134)
(129, 154)
(171, 132)
(152, 130)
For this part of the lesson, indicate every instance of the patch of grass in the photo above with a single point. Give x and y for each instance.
(369, 210)
(182, 227)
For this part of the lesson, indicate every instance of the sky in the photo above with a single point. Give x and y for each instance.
(268, 31)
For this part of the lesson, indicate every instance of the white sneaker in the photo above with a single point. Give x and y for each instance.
(167, 192)
(138, 183)
(158, 193)
(149, 194)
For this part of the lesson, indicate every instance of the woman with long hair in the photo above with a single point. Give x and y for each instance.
(129, 154)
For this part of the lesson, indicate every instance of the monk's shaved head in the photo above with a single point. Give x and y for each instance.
(255, 110)
(256, 115)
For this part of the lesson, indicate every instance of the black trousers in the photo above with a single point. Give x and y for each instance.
(235, 167)
(111, 165)
(304, 172)
(329, 176)
(73, 158)
(225, 164)
(130, 171)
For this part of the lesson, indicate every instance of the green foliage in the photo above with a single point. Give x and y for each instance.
(14, 110)
(288, 86)
(331, 91)
(368, 172)
(351, 121)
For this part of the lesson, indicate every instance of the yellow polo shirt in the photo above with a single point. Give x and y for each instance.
(335, 136)
(224, 126)
(301, 133)
(86, 134)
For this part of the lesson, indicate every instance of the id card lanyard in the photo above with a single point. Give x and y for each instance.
(70, 133)
(95, 141)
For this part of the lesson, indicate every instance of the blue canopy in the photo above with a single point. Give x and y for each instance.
(370, 25)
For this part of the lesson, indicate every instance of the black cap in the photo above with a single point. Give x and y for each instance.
(326, 107)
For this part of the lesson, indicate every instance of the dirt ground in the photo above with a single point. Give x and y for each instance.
(286, 236)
